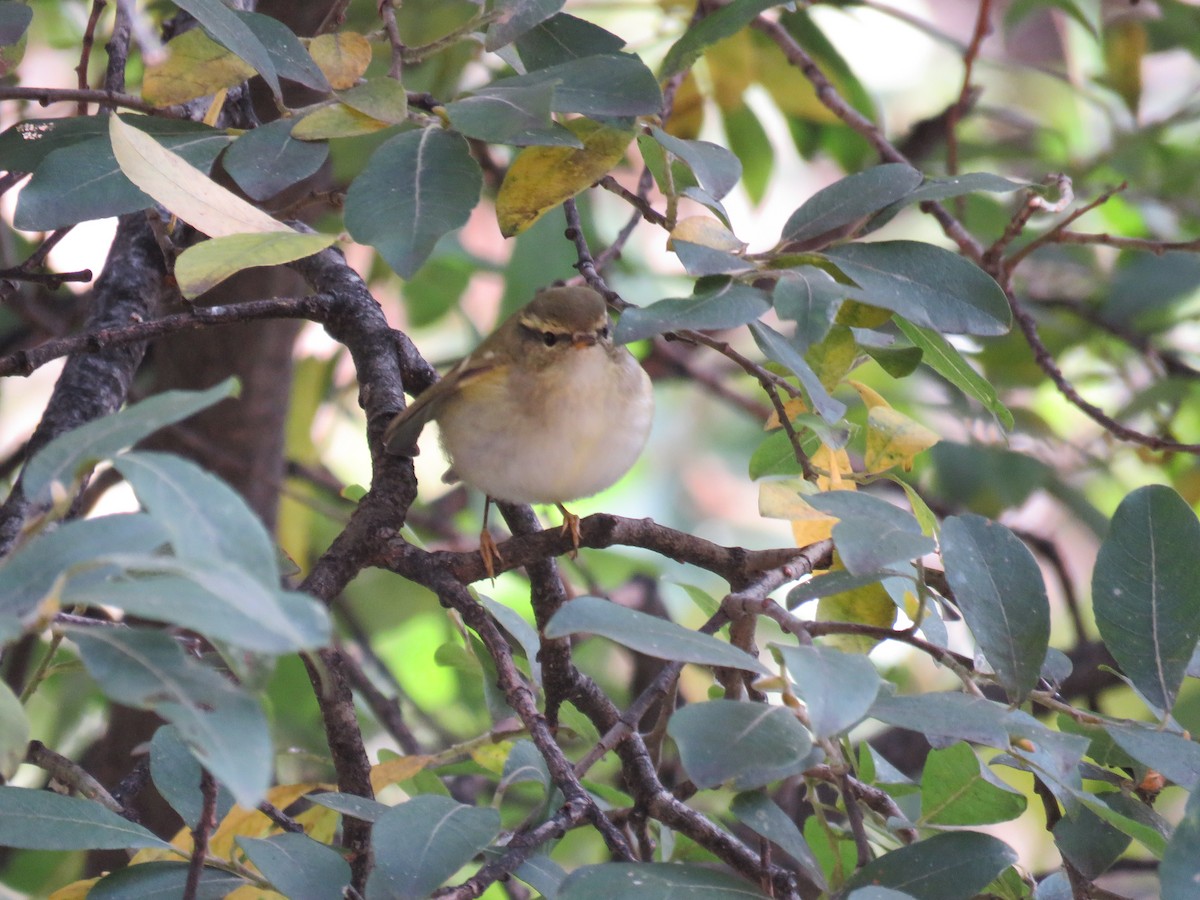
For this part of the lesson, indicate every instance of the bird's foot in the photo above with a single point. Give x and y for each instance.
(571, 526)
(490, 553)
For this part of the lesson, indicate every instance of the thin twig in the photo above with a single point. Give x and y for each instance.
(85, 54)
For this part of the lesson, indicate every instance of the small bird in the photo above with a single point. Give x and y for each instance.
(546, 410)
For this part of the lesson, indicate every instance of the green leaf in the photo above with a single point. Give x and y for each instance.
(946, 715)
(871, 535)
(653, 881)
(297, 866)
(515, 17)
(564, 37)
(203, 266)
(740, 744)
(176, 776)
(30, 573)
(416, 187)
(725, 305)
(14, 21)
(716, 169)
(836, 582)
(776, 347)
(216, 599)
(421, 843)
(608, 85)
(70, 455)
(927, 285)
(382, 98)
(288, 55)
(941, 356)
(223, 727)
(810, 297)
(1175, 756)
(267, 159)
(43, 820)
(526, 634)
(351, 805)
(946, 866)
(227, 29)
(839, 210)
(957, 790)
(714, 27)
(749, 141)
(14, 732)
(514, 115)
(1179, 872)
(760, 813)
(838, 688)
(1145, 593)
(999, 588)
(1090, 843)
(82, 180)
(647, 634)
(25, 145)
(155, 880)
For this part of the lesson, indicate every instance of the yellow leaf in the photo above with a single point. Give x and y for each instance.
(540, 178)
(252, 892)
(732, 66)
(867, 605)
(400, 768)
(1124, 47)
(342, 56)
(854, 314)
(687, 115)
(894, 439)
(793, 407)
(707, 232)
(208, 263)
(76, 890)
(833, 356)
(196, 66)
(334, 121)
(791, 91)
(381, 98)
(241, 822)
(837, 464)
(870, 397)
(182, 188)
(492, 756)
(320, 822)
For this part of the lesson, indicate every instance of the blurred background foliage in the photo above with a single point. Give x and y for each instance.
(1101, 92)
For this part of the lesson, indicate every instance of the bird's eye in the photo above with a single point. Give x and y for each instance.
(603, 332)
(549, 338)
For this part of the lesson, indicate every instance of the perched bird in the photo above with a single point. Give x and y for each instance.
(546, 410)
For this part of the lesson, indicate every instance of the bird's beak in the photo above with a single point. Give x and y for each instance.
(582, 339)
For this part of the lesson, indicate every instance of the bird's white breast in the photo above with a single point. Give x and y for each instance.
(583, 434)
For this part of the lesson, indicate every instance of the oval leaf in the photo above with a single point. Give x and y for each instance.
(838, 688)
(205, 265)
(1145, 592)
(927, 285)
(726, 306)
(999, 588)
(647, 634)
(957, 790)
(653, 881)
(421, 843)
(943, 867)
(297, 866)
(540, 178)
(70, 454)
(740, 744)
(417, 187)
(840, 209)
(223, 727)
(43, 820)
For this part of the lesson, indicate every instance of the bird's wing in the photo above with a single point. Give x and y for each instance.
(403, 431)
